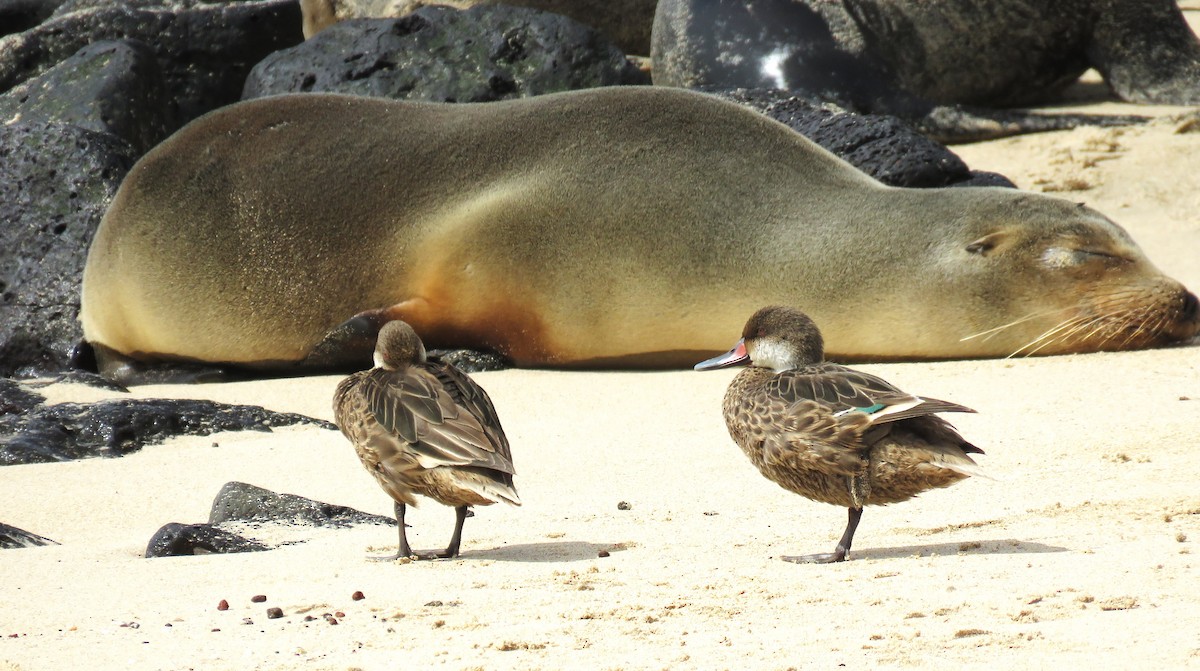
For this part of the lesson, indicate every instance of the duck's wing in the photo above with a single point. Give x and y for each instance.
(446, 419)
(829, 416)
(845, 392)
(474, 398)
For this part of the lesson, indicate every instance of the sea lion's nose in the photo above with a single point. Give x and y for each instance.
(1191, 306)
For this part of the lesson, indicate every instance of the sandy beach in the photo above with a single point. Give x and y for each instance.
(1080, 551)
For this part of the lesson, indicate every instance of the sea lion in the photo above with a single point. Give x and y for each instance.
(995, 53)
(617, 227)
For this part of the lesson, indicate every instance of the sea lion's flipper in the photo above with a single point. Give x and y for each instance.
(128, 371)
(350, 344)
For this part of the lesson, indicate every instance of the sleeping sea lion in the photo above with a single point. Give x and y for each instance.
(617, 227)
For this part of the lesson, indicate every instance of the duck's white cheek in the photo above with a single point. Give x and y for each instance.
(772, 354)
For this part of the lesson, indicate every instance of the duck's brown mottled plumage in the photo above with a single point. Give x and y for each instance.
(830, 433)
(422, 427)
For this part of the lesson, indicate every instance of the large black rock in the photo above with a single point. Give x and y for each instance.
(880, 145)
(93, 88)
(204, 52)
(241, 502)
(20, 15)
(55, 182)
(113, 428)
(489, 52)
(181, 540)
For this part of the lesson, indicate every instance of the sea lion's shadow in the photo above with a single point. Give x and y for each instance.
(545, 552)
(981, 547)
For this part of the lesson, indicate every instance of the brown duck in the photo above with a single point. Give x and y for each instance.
(421, 426)
(830, 433)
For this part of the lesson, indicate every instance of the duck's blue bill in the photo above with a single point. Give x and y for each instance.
(731, 358)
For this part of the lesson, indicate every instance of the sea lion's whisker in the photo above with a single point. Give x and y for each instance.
(1143, 328)
(1020, 320)
(1048, 334)
(1061, 336)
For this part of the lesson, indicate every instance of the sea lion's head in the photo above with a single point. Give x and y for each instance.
(1059, 277)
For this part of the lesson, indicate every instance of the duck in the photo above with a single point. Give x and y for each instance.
(830, 433)
(422, 427)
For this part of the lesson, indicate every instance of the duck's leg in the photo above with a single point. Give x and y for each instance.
(404, 552)
(460, 516)
(842, 551)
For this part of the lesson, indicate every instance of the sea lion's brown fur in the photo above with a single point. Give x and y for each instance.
(611, 227)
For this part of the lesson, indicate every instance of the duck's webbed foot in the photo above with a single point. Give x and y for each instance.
(841, 552)
(460, 515)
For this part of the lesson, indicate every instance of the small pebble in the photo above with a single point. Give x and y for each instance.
(258, 598)
(602, 553)
(223, 605)
(624, 505)
(357, 596)
(339, 614)
(274, 613)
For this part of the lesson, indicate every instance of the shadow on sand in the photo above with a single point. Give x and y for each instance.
(545, 552)
(966, 547)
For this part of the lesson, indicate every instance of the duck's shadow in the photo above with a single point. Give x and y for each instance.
(1002, 546)
(545, 552)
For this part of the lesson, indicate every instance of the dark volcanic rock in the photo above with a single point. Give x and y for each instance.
(88, 379)
(204, 52)
(12, 537)
(173, 5)
(178, 540)
(884, 147)
(485, 53)
(240, 502)
(93, 89)
(55, 182)
(117, 427)
(20, 15)
(894, 58)
(15, 399)
(472, 361)
(627, 22)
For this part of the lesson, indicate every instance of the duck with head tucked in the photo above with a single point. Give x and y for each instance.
(421, 426)
(830, 433)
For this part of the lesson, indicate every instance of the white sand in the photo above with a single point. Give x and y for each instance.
(1080, 552)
